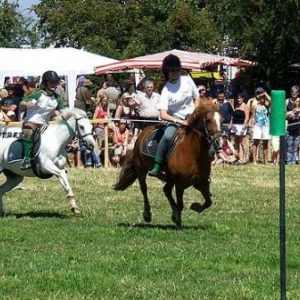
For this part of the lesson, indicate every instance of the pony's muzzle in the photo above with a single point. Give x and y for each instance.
(218, 143)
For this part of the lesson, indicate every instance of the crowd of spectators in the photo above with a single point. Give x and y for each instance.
(129, 109)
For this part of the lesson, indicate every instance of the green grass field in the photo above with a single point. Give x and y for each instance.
(230, 251)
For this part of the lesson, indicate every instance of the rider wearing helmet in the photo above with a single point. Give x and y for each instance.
(176, 103)
(40, 106)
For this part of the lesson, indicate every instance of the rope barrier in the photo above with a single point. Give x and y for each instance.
(106, 122)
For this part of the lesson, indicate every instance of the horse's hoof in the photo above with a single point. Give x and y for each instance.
(196, 207)
(75, 211)
(147, 217)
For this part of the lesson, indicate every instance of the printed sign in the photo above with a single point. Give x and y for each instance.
(7, 132)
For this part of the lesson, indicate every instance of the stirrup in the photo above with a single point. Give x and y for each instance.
(153, 173)
(25, 165)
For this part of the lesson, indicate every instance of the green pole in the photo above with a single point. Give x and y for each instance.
(277, 127)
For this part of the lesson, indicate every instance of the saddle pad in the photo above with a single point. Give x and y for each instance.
(150, 145)
(15, 152)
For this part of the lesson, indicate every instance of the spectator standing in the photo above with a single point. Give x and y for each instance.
(126, 107)
(293, 128)
(84, 95)
(101, 112)
(147, 105)
(238, 126)
(261, 123)
(226, 110)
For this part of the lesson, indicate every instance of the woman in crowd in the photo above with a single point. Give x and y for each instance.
(261, 123)
(293, 128)
(238, 126)
(101, 112)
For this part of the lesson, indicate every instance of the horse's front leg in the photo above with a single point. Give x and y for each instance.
(176, 218)
(147, 215)
(204, 188)
(62, 175)
(63, 179)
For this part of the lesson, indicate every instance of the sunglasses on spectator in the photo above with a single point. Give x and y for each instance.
(202, 90)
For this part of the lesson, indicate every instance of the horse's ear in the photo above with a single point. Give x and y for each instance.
(217, 105)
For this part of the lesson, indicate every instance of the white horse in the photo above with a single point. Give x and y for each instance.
(50, 157)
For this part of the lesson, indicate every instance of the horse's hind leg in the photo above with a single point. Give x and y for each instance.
(12, 180)
(147, 215)
(204, 188)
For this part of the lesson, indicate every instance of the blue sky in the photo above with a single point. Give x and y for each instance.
(24, 4)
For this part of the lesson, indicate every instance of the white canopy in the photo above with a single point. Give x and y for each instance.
(69, 62)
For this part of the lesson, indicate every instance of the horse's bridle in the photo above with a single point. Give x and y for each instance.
(76, 132)
(210, 137)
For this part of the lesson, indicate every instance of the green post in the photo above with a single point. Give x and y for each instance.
(277, 127)
(277, 117)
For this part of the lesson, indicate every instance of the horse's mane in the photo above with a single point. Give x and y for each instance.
(201, 110)
(67, 113)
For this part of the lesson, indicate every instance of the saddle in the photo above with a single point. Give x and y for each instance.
(150, 144)
(35, 165)
(16, 154)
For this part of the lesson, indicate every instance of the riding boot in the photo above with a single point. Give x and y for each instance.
(162, 150)
(27, 145)
(156, 168)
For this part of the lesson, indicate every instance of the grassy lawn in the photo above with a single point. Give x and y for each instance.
(230, 251)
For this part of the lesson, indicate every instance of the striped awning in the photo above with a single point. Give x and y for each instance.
(189, 60)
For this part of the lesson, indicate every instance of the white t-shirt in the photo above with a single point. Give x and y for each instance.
(44, 106)
(178, 98)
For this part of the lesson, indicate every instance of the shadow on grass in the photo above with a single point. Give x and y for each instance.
(163, 227)
(37, 214)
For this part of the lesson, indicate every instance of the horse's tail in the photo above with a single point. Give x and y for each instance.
(128, 174)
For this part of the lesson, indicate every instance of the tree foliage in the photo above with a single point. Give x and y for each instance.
(123, 29)
(262, 30)
(15, 29)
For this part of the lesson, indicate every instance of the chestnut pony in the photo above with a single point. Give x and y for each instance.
(189, 165)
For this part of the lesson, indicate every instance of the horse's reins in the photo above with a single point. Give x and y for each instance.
(76, 131)
(209, 137)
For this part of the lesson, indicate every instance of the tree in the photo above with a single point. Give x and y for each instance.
(123, 29)
(264, 31)
(15, 30)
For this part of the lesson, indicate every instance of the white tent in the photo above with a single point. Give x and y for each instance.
(69, 62)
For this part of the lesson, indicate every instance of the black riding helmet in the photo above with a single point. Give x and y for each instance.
(170, 62)
(50, 76)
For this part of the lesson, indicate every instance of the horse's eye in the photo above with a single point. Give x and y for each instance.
(81, 127)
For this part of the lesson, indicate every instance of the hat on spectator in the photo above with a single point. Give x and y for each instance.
(259, 91)
(87, 82)
(81, 80)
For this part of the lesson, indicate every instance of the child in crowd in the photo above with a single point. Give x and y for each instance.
(227, 154)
